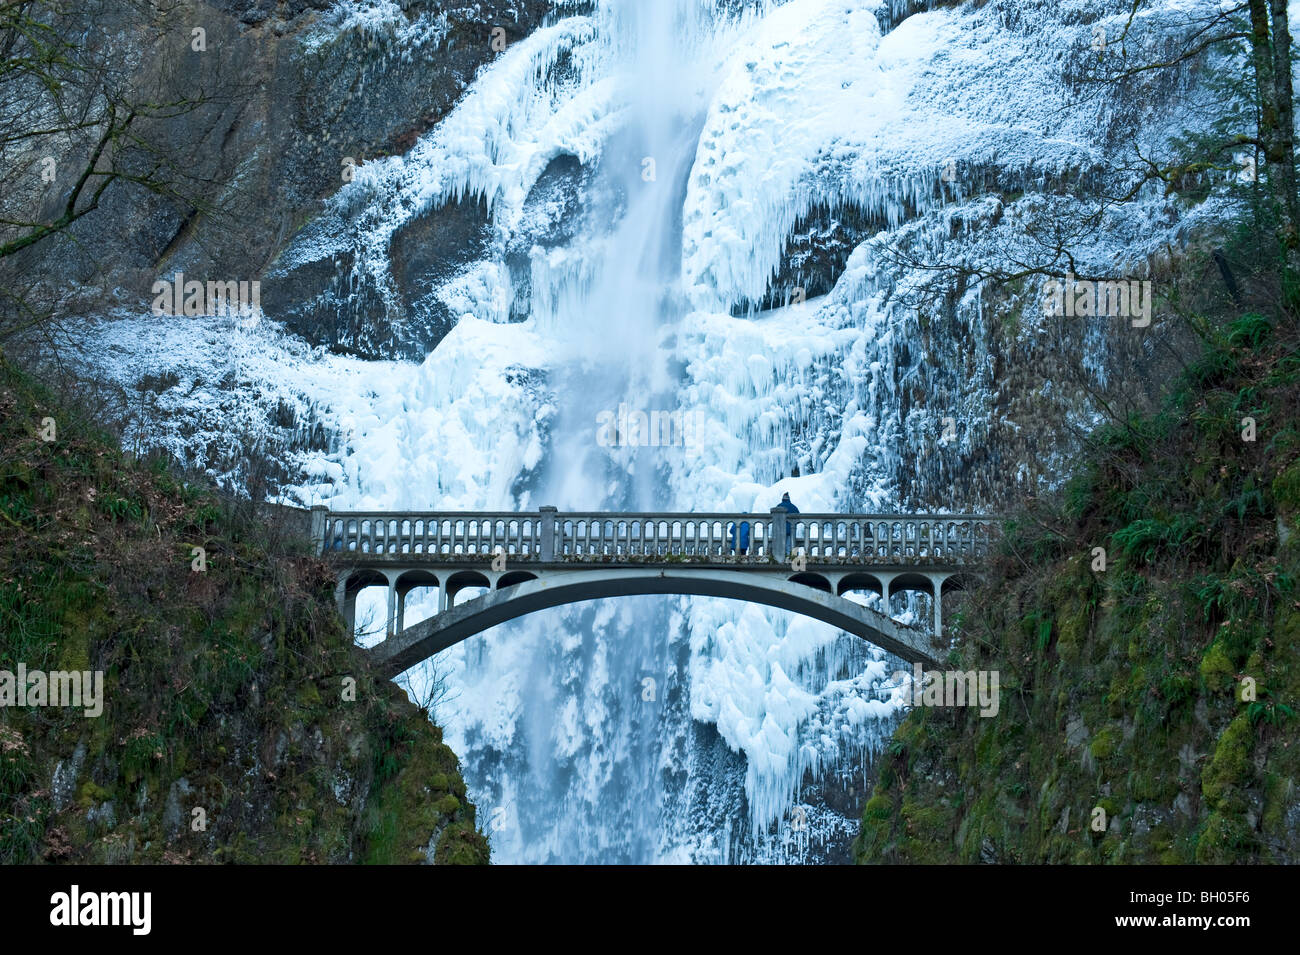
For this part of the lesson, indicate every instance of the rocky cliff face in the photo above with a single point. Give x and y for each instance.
(287, 98)
(235, 721)
(1144, 627)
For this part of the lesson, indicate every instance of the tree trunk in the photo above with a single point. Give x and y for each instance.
(1276, 125)
(1284, 174)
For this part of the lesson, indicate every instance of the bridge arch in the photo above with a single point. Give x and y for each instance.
(960, 580)
(461, 579)
(410, 579)
(912, 581)
(422, 640)
(514, 577)
(350, 584)
(406, 582)
(816, 581)
(860, 581)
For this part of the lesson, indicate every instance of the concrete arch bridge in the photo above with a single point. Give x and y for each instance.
(805, 563)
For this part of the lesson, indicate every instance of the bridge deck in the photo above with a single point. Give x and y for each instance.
(550, 537)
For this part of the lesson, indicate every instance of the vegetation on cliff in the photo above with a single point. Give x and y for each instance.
(239, 722)
(1149, 709)
(1144, 622)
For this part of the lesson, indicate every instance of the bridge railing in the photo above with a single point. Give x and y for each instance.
(598, 536)
(385, 532)
(892, 536)
(595, 535)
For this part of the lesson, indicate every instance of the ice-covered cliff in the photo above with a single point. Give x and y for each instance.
(727, 209)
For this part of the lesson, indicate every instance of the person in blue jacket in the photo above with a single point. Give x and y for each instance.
(787, 505)
(744, 537)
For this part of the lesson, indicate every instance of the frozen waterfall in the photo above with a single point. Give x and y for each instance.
(643, 164)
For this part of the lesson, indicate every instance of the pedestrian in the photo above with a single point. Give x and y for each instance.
(744, 538)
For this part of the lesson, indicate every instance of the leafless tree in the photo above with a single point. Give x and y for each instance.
(434, 688)
(80, 118)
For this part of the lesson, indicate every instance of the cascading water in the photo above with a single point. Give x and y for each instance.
(615, 327)
(599, 707)
(597, 757)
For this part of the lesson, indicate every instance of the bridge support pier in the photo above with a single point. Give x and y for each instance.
(938, 609)
(390, 621)
(347, 601)
(885, 581)
(938, 580)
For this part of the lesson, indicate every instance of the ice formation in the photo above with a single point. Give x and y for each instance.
(752, 118)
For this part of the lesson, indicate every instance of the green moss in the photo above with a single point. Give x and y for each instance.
(1217, 670)
(447, 805)
(1147, 784)
(1229, 770)
(1279, 796)
(460, 844)
(91, 794)
(1074, 625)
(1111, 807)
(1105, 743)
(1286, 490)
(211, 678)
(878, 807)
(886, 777)
(1226, 838)
(923, 821)
(413, 802)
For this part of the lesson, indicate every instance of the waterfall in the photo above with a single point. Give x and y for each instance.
(641, 729)
(615, 327)
(694, 137)
(580, 727)
(600, 704)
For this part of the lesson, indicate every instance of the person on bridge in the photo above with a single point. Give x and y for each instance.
(787, 505)
(744, 538)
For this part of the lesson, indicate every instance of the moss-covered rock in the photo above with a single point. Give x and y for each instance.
(239, 722)
(1125, 689)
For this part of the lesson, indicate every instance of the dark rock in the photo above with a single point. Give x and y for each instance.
(815, 255)
(553, 215)
(284, 107)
